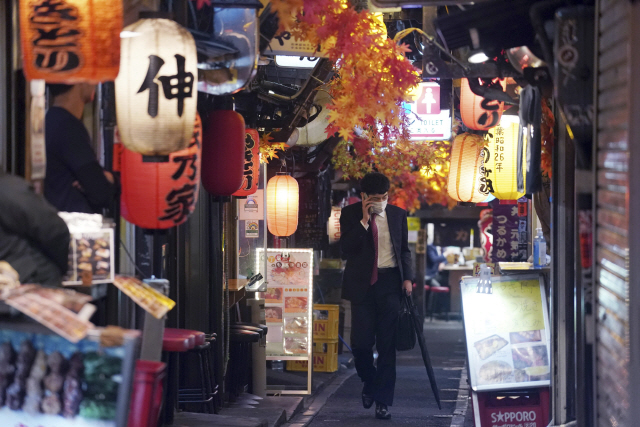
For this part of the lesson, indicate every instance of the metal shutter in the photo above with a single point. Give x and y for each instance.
(612, 221)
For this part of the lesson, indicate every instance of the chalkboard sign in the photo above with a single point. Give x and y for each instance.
(507, 333)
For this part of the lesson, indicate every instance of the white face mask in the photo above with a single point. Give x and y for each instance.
(378, 207)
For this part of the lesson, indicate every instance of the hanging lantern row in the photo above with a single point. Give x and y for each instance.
(477, 112)
(71, 41)
(161, 195)
(282, 205)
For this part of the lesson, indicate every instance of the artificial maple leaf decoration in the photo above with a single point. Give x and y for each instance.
(201, 3)
(269, 150)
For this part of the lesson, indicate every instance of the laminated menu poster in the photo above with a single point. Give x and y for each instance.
(91, 258)
(47, 381)
(507, 333)
(288, 300)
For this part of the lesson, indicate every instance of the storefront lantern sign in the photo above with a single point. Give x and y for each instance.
(155, 96)
(479, 113)
(161, 195)
(251, 163)
(70, 41)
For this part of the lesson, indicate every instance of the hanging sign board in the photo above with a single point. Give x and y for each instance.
(288, 302)
(333, 225)
(427, 119)
(251, 208)
(507, 333)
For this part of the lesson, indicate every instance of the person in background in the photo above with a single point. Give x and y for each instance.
(435, 264)
(374, 241)
(75, 181)
(34, 240)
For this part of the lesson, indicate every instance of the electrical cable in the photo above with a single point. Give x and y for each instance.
(131, 259)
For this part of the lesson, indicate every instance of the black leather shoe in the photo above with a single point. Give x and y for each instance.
(382, 412)
(367, 397)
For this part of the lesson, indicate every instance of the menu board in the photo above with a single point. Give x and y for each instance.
(288, 301)
(507, 333)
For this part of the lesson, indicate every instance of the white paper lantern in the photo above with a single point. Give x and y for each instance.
(156, 98)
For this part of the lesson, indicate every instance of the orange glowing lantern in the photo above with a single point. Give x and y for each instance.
(282, 205)
(477, 112)
(161, 195)
(251, 164)
(71, 41)
(466, 172)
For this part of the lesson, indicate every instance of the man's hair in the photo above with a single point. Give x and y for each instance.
(56, 89)
(374, 183)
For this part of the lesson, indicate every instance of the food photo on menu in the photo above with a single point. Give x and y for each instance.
(273, 314)
(296, 325)
(273, 295)
(46, 380)
(296, 304)
(515, 357)
(296, 345)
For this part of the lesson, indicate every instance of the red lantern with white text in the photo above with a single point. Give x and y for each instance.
(251, 164)
(223, 153)
(477, 112)
(160, 195)
(71, 41)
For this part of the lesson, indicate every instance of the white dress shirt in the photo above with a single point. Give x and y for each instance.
(386, 255)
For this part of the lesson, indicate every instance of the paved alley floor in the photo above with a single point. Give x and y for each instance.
(414, 404)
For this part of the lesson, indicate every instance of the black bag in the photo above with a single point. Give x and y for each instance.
(405, 332)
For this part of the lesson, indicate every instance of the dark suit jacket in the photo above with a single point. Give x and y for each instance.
(356, 245)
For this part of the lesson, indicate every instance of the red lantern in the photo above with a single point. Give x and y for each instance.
(223, 153)
(477, 112)
(160, 195)
(251, 164)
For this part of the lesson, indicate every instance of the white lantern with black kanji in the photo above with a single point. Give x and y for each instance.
(156, 96)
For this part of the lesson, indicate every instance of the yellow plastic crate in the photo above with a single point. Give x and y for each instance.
(325, 357)
(326, 319)
(322, 362)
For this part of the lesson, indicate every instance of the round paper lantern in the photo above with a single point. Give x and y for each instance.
(282, 205)
(71, 41)
(160, 195)
(479, 113)
(155, 96)
(223, 153)
(251, 164)
(501, 158)
(466, 171)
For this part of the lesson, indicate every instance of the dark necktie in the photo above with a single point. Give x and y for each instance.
(374, 230)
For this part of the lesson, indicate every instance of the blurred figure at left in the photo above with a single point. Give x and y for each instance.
(75, 181)
(34, 240)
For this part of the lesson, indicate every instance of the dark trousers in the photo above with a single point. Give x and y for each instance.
(373, 322)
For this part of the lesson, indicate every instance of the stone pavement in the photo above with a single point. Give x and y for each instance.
(414, 404)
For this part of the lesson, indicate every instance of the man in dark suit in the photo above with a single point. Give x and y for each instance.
(374, 241)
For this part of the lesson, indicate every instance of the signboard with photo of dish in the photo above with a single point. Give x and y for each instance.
(507, 333)
(288, 302)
